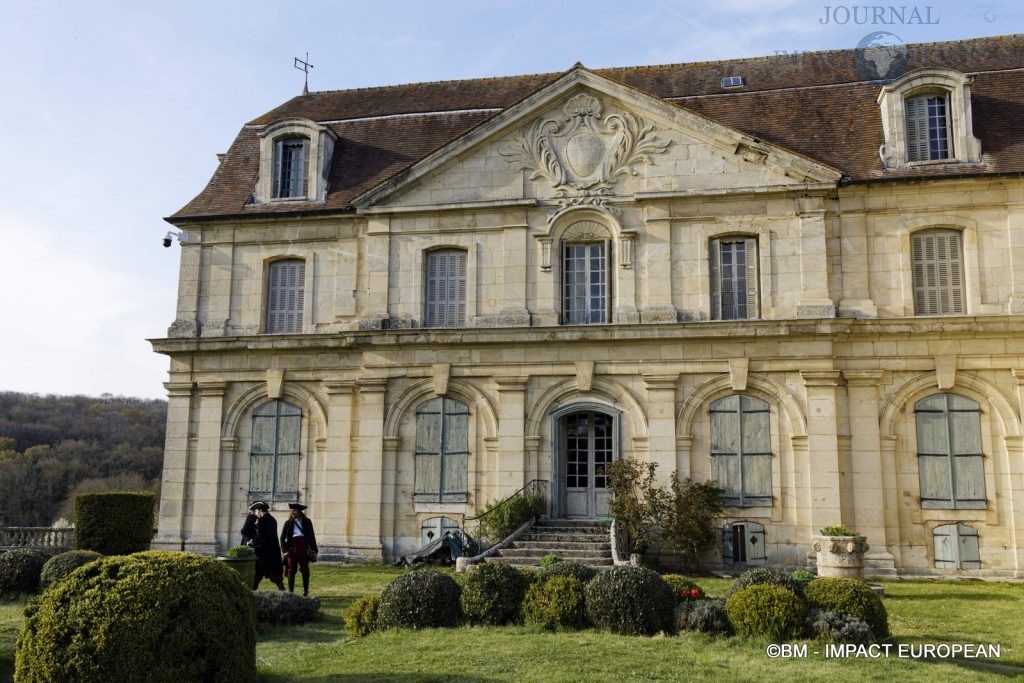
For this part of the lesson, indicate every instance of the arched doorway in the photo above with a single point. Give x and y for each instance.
(586, 441)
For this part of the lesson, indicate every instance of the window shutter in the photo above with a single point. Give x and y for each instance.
(917, 128)
(286, 296)
(944, 538)
(278, 166)
(428, 450)
(460, 307)
(303, 171)
(956, 273)
(970, 555)
(725, 451)
(755, 442)
(445, 290)
(455, 456)
(275, 452)
(755, 543)
(938, 273)
(714, 271)
(727, 552)
(753, 294)
(933, 455)
(968, 461)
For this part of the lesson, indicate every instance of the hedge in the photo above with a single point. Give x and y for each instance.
(154, 616)
(492, 594)
(630, 601)
(766, 610)
(58, 567)
(556, 603)
(114, 523)
(20, 569)
(851, 597)
(420, 599)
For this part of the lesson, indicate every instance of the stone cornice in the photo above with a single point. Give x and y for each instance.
(821, 378)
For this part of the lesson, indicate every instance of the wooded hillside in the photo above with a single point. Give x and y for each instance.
(54, 447)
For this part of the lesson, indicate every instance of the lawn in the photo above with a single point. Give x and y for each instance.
(920, 612)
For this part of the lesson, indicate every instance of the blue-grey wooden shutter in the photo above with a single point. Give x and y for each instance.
(289, 448)
(261, 458)
(445, 290)
(938, 273)
(714, 275)
(278, 168)
(949, 452)
(275, 452)
(917, 128)
(753, 295)
(455, 456)
(725, 451)
(756, 455)
(956, 547)
(286, 296)
(754, 538)
(970, 556)
(428, 450)
(727, 550)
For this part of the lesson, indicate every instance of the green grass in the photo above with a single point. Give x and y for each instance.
(919, 612)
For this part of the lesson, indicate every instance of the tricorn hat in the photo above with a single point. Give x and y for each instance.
(296, 506)
(259, 505)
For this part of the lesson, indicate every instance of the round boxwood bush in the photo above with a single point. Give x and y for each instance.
(555, 604)
(767, 576)
(361, 616)
(20, 569)
(114, 523)
(766, 610)
(706, 615)
(59, 566)
(279, 607)
(579, 571)
(851, 597)
(833, 627)
(492, 594)
(682, 587)
(153, 616)
(420, 599)
(630, 601)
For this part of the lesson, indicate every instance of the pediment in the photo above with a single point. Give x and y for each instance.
(584, 139)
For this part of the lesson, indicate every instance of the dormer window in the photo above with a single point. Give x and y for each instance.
(928, 137)
(295, 161)
(926, 116)
(290, 160)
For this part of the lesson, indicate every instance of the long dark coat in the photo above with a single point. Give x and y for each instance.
(307, 532)
(268, 550)
(249, 529)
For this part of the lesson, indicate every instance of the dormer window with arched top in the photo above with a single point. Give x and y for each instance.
(295, 161)
(926, 117)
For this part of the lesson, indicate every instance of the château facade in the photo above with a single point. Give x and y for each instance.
(397, 304)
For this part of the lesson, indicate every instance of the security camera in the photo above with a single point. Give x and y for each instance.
(172, 235)
(167, 241)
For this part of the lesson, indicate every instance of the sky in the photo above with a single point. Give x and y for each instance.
(113, 113)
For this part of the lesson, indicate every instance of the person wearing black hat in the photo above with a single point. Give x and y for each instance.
(268, 550)
(299, 542)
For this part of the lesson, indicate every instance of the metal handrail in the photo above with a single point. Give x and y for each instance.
(533, 487)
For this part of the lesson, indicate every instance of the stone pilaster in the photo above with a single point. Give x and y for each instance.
(824, 474)
(206, 485)
(547, 281)
(867, 509)
(336, 494)
(623, 283)
(378, 266)
(514, 468)
(815, 301)
(173, 492)
(661, 420)
(186, 319)
(657, 303)
(366, 481)
(218, 292)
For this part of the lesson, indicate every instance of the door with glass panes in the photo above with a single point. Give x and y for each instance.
(588, 446)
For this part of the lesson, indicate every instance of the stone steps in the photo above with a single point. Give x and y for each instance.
(582, 540)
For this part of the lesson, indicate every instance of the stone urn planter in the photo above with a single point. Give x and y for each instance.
(840, 554)
(243, 561)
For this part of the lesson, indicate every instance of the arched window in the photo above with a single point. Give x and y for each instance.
(956, 547)
(741, 452)
(442, 451)
(949, 454)
(445, 289)
(733, 270)
(938, 272)
(276, 447)
(286, 296)
(586, 296)
(291, 155)
(928, 127)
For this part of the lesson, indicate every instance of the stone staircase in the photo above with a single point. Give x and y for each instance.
(583, 540)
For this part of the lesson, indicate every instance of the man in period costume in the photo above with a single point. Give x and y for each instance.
(299, 542)
(268, 550)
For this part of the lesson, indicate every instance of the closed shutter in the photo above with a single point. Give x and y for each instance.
(949, 452)
(286, 296)
(714, 272)
(275, 452)
(741, 458)
(442, 451)
(917, 128)
(725, 452)
(455, 458)
(970, 555)
(938, 273)
(278, 168)
(956, 547)
(428, 449)
(755, 543)
(297, 171)
(752, 280)
(445, 290)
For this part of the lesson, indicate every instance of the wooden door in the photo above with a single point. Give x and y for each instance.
(588, 445)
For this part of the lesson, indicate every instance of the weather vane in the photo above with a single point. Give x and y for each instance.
(305, 67)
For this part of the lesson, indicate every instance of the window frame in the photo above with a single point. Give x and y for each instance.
(274, 494)
(568, 311)
(952, 502)
(454, 315)
(296, 189)
(295, 315)
(751, 302)
(743, 498)
(952, 241)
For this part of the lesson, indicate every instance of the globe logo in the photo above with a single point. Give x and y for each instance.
(880, 56)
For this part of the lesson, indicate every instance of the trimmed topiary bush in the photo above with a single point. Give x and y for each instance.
(420, 599)
(361, 616)
(682, 588)
(832, 627)
(492, 594)
(579, 571)
(556, 604)
(279, 607)
(850, 597)
(115, 523)
(706, 615)
(58, 567)
(20, 569)
(153, 616)
(630, 601)
(766, 610)
(767, 576)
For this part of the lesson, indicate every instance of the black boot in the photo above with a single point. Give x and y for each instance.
(291, 583)
(305, 585)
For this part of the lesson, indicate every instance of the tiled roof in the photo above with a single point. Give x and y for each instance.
(815, 104)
